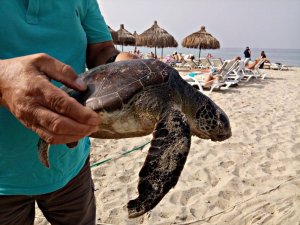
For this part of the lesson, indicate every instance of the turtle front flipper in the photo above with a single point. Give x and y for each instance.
(43, 146)
(43, 152)
(164, 162)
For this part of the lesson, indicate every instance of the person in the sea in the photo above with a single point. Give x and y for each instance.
(263, 55)
(247, 53)
(152, 56)
(48, 41)
(209, 55)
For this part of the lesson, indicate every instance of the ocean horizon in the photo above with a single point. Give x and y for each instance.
(289, 57)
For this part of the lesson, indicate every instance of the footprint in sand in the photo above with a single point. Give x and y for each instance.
(226, 164)
(295, 148)
(213, 180)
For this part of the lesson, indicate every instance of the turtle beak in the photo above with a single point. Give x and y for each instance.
(221, 137)
(223, 134)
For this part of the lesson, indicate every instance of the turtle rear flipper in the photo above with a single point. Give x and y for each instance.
(43, 151)
(164, 162)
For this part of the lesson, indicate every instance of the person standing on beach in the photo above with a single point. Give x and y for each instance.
(263, 56)
(247, 53)
(42, 41)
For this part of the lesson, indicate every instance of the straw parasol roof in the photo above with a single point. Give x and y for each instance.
(113, 33)
(201, 40)
(155, 37)
(135, 35)
(124, 37)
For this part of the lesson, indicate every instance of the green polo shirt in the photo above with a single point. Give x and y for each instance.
(61, 29)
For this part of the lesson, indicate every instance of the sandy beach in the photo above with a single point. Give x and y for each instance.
(251, 178)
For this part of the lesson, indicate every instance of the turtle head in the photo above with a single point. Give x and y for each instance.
(210, 122)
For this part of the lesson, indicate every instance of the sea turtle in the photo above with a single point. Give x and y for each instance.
(138, 97)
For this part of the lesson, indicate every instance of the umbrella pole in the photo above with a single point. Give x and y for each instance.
(122, 47)
(162, 52)
(154, 51)
(199, 52)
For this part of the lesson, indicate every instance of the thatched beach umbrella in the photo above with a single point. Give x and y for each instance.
(156, 37)
(135, 34)
(114, 34)
(124, 37)
(201, 40)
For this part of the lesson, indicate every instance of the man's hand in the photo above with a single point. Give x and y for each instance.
(25, 91)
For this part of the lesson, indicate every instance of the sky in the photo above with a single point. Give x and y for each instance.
(235, 23)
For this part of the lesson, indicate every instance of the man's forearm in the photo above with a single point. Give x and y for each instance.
(98, 54)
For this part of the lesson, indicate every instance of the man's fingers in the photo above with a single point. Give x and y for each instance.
(41, 106)
(61, 125)
(58, 71)
(58, 101)
(52, 138)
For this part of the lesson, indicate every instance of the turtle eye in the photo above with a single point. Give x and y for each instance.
(224, 120)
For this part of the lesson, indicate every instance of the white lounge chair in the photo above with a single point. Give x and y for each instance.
(237, 73)
(193, 82)
(204, 63)
(222, 80)
(182, 65)
(216, 62)
(256, 72)
(278, 66)
(246, 61)
(241, 73)
(267, 65)
(193, 65)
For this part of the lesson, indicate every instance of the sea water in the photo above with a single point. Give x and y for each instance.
(289, 57)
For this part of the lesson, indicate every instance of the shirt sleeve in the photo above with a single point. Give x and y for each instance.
(94, 24)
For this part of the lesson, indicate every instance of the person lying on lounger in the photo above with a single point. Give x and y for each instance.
(213, 75)
(252, 65)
